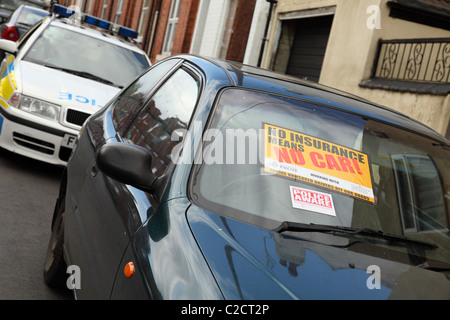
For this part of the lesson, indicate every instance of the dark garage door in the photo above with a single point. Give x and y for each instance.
(308, 49)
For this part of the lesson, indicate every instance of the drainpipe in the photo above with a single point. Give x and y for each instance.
(269, 16)
(154, 27)
(147, 29)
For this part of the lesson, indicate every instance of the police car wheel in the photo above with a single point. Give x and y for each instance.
(55, 267)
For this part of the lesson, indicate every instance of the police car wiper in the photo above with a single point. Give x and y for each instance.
(303, 227)
(84, 74)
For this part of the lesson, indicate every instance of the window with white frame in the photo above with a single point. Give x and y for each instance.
(171, 26)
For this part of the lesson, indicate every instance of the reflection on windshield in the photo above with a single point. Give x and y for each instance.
(419, 193)
(325, 167)
(73, 51)
(29, 17)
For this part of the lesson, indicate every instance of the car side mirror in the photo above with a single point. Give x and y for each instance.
(128, 164)
(8, 46)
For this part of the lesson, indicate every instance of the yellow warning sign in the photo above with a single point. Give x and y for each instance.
(309, 159)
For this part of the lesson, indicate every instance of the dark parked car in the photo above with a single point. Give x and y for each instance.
(7, 7)
(17, 16)
(207, 179)
(20, 21)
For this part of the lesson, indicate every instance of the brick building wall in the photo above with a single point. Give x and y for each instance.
(163, 17)
(240, 30)
(130, 13)
(149, 26)
(184, 30)
(153, 30)
(185, 27)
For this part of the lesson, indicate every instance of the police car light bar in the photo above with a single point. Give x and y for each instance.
(62, 11)
(97, 22)
(103, 24)
(126, 32)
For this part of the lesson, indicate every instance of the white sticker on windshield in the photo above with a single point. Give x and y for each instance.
(312, 201)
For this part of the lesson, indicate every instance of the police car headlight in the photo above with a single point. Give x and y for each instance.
(40, 108)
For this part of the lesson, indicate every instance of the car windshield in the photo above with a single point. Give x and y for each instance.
(267, 159)
(86, 56)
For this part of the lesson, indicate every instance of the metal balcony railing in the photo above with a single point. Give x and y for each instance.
(421, 60)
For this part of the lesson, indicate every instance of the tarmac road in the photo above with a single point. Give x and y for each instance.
(28, 190)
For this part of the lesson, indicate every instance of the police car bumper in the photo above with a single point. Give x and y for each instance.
(35, 140)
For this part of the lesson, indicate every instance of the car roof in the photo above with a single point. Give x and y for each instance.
(250, 77)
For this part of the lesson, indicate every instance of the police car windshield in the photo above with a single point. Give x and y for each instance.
(267, 159)
(68, 50)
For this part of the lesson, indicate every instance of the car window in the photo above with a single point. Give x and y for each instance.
(29, 17)
(268, 159)
(170, 108)
(133, 98)
(24, 38)
(55, 47)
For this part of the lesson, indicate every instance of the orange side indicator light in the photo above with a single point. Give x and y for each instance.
(129, 270)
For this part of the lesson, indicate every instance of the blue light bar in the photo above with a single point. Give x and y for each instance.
(126, 32)
(90, 20)
(62, 11)
(94, 21)
(97, 22)
(104, 24)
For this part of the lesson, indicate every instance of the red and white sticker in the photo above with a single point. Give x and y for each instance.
(312, 201)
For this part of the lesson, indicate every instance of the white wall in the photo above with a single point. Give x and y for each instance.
(256, 35)
(209, 27)
(210, 24)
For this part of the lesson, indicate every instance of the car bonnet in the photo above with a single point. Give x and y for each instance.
(253, 263)
(62, 88)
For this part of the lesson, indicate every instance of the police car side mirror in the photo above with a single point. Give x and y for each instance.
(8, 46)
(128, 164)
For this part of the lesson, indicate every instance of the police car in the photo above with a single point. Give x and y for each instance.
(60, 72)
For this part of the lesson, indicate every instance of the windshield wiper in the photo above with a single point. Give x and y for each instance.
(84, 74)
(303, 227)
